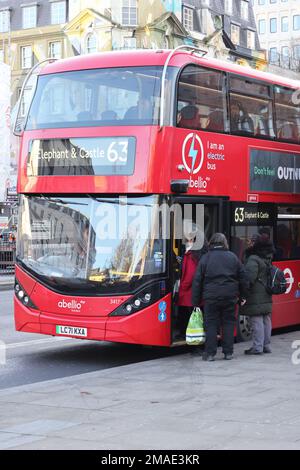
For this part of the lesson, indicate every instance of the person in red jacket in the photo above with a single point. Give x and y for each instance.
(188, 268)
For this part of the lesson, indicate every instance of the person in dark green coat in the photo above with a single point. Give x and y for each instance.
(258, 304)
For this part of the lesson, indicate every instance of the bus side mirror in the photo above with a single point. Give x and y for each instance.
(19, 126)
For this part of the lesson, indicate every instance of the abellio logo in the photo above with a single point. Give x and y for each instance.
(192, 153)
(72, 304)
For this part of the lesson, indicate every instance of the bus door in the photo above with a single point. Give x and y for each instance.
(207, 215)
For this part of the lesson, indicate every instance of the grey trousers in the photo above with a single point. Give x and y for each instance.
(262, 329)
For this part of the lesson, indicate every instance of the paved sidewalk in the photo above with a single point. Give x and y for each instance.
(178, 402)
(7, 280)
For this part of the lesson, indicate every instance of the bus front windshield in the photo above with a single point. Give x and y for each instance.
(94, 245)
(97, 97)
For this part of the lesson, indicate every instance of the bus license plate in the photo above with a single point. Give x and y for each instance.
(71, 331)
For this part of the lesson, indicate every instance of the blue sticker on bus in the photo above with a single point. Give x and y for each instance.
(162, 306)
(162, 316)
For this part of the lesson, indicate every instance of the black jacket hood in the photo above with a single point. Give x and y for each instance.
(261, 248)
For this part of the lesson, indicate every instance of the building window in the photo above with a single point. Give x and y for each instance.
(296, 52)
(228, 7)
(262, 26)
(273, 25)
(188, 22)
(29, 16)
(55, 50)
(284, 24)
(261, 2)
(285, 50)
(91, 43)
(245, 10)
(4, 21)
(129, 43)
(296, 22)
(26, 57)
(58, 12)
(129, 12)
(285, 57)
(273, 55)
(235, 34)
(251, 39)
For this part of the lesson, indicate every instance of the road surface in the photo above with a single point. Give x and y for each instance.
(34, 358)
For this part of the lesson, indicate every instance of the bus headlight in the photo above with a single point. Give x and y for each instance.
(23, 296)
(128, 308)
(142, 299)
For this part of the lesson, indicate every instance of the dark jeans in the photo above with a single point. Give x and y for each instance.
(216, 314)
(184, 314)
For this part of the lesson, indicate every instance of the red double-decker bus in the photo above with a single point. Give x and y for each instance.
(111, 139)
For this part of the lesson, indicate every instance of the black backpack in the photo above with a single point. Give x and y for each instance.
(276, 281)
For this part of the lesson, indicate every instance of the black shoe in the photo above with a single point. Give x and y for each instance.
(252, 352)
(196, 351)
(228, 357)
(267, 351)
(208, 357)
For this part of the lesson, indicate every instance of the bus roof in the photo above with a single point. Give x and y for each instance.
(148, 57)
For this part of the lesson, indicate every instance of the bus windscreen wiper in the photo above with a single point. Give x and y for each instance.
(61, 201)
(117, 201)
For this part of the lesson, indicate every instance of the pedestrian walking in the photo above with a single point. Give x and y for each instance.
(189, 265)
(220, 281)
(258, 304)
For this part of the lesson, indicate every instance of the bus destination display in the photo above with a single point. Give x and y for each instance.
(81, 156)
(253, 214)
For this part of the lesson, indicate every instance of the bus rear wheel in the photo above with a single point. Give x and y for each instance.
(244, 330)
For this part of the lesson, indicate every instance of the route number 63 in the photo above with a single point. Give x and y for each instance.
(239, 215)
(115, 154)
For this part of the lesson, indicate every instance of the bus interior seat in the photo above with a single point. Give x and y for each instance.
(84, 116)
(131, 113)
(189, 117)
(288, 131)
(109, 115)
(216, 121)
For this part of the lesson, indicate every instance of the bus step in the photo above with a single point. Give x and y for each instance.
(178, 342)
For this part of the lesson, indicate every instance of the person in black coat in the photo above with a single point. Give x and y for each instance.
(220, 281)
(258, 304)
